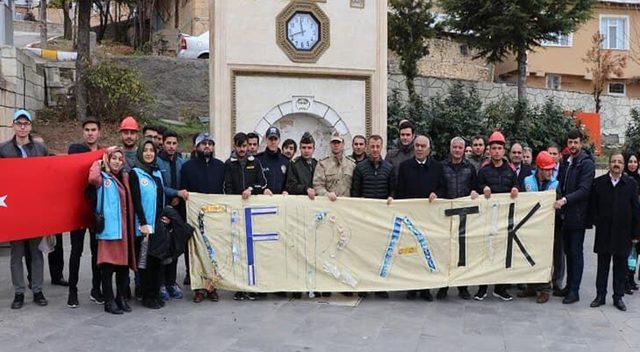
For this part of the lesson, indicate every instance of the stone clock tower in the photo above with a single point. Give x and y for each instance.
(301, 65)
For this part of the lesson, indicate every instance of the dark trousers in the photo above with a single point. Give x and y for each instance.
(77, 247)
(558, 257)
(619, 274)
(169, 273)
(151, 278)
(186, 259)
(122, 280)
(56, 261)
(573, 245)
(182, 210)
(498, 287)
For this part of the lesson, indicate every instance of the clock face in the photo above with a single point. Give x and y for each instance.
(303, 31)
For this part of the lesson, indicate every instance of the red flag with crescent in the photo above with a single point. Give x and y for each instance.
(44, 195)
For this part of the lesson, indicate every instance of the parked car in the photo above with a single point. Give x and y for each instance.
(193, 47)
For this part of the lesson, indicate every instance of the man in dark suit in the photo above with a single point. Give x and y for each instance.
(522, 170)
(420, 177)
(613, 209)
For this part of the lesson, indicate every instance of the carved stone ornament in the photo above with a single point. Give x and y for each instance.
(357, 4)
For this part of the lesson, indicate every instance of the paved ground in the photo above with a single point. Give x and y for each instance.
(280, 325)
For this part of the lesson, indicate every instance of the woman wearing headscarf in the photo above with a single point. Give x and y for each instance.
(115, 241)
(148, 201)
(631, 169)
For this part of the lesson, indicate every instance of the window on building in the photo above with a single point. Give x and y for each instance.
(553, 82)
(615, 30)
(617, 88)
(559, 40)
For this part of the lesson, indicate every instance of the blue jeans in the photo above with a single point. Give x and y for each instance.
(573, 245)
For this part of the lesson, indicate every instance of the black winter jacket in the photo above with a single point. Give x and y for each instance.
(274, 165)
(373, 181)
(77, 148)
(500, 179)
(614, 212)
(575, 185)
(170, 239)
(459, 179)
(300, 175)
(198, 175)
(240, 175)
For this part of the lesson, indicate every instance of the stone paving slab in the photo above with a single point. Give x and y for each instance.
(302, 325)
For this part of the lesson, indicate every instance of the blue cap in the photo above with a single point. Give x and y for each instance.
(22, 113)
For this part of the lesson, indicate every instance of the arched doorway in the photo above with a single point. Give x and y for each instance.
(294, 118)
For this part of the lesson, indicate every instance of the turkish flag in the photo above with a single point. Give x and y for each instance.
(44, 195)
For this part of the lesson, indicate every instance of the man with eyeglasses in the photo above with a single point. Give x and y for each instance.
(23, 146)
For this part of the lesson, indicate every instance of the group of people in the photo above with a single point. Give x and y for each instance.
(140, 189)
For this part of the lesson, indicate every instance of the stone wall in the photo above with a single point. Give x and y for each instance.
(615, 111)
(448, 59)
(21, 86)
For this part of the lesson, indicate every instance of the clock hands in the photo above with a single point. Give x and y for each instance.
(301, 32)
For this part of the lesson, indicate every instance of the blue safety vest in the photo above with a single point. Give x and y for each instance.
(111, 210)
(148, 197)
(531, 183)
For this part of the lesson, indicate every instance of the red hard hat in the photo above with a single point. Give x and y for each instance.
(497, 137)
(128, 123)
(545, 161)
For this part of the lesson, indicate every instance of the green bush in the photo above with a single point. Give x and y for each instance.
(460, 113)
(632, 134)
(535, 126)
(115, 92)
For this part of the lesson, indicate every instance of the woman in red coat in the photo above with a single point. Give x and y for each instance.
(115, 241)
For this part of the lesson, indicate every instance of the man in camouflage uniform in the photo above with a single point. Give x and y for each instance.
(333, 174)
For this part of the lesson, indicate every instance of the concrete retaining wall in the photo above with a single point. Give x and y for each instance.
(22, 86)
(32, 26)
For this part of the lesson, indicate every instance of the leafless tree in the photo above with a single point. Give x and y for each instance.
(602, 64)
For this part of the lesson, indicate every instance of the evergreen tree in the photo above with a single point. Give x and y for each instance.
(498, 28)
(411, 23)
